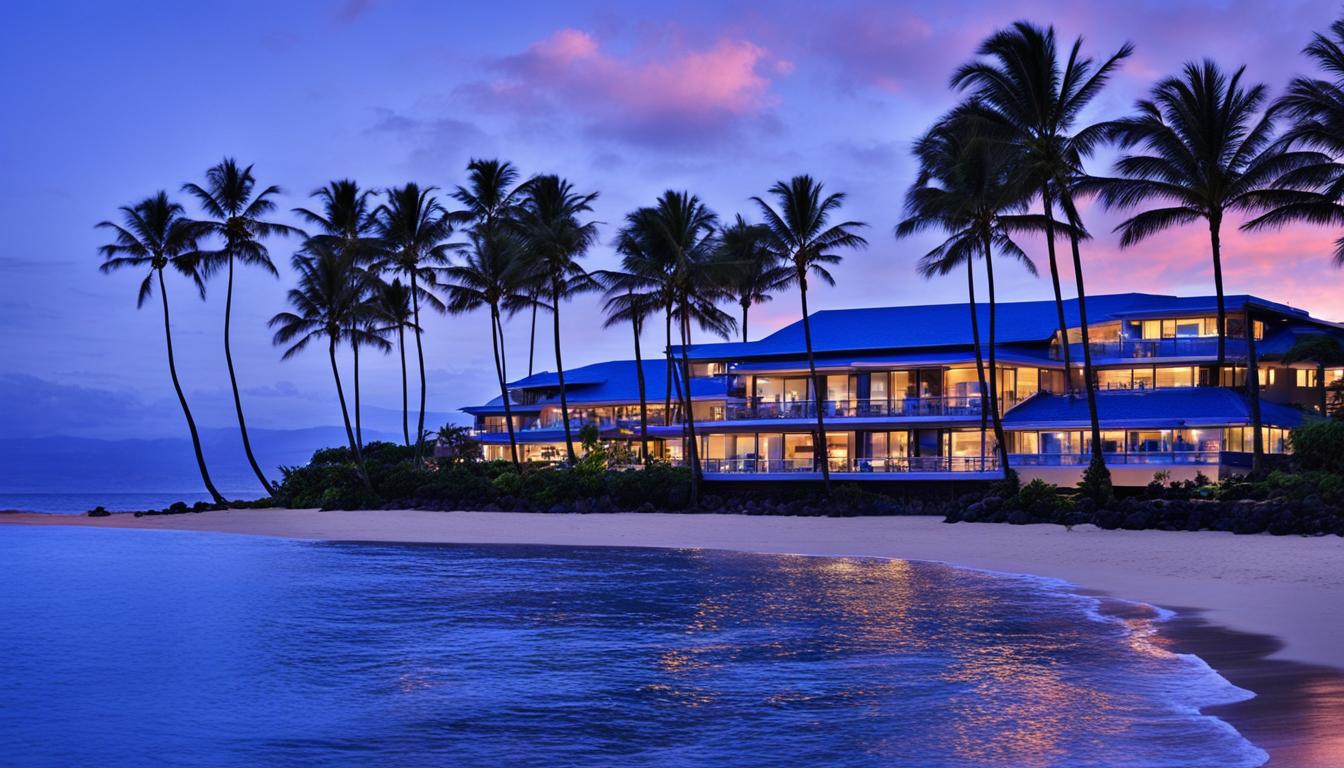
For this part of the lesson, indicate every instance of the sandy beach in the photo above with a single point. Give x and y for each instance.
(1267, 612)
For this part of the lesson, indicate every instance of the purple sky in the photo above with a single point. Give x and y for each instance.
(110, 102)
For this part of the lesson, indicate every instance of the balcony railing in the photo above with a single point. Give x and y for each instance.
(1190, 346)
(898, 464)
(954, 405)
(1133, 457)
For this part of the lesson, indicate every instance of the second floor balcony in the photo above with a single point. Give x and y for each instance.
(953, 405)
(1181, 346)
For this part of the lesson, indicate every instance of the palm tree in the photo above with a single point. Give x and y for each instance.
(754, 272)
(1206, 148)
(1019, 86)
(392, 310)
(801, 236)
(652, 266)
(630, 299)
(1314, 107)
(970, 188)
(155, 233)
(345, 221)
(488, 278)
(684, 229)
(330, 301)
(1323, 350)
(236, 210)
(414, 229)
(555, 239)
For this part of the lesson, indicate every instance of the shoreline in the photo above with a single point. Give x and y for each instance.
(1266, 613)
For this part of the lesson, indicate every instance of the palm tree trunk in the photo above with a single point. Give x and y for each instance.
(1320, 388)
(359, 429)
(745, 306)
(995, 413)
(496, 343)
(636, 323)
(420, 356)
(532, 341)
(1098, 459)
(1253, 384)
(820, 448)
(1048, 203)
(345, 413)
(233, 382)
(182, 398)
(692, 447)
(1215, 225)
(560, 372)
(405, 403)
(979, 356)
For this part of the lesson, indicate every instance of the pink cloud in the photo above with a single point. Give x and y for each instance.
(687, 96)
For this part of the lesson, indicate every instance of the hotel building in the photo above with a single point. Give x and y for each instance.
(901, 398)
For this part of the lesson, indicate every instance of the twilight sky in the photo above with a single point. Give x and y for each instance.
(110, 102)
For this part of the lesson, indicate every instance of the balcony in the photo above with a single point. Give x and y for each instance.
(894, 465)
(955, 405)
(1190, 346)
(1168, 458)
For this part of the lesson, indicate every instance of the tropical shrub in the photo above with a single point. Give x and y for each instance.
(1319, 445)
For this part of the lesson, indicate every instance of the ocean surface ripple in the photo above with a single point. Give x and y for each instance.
(132, 648)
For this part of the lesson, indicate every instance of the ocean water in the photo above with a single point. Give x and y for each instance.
(79, 503)
(127, 648)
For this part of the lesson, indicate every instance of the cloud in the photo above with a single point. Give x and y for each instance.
(350, 10)
(688, 96)
(438, 142)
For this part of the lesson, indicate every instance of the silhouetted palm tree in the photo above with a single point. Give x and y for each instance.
(802, 236)
(236, 210)
(329, 301)
(1314, 107)
(1020, 87)
(554, 240)
(488, 278)
(346, 223)
(630, 299)
(969, 187)
(392, 311)
(1206, 147)
(753, 272)
(155, 234)
(652, 266)
(414, 229)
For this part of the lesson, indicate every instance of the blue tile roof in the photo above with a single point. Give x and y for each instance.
(1187, 406)
(943, 325)
(613, 381)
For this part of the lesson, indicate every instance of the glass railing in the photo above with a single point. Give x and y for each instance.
(845, 465)
(954, 405)
(1190, 346)
(1134, 457)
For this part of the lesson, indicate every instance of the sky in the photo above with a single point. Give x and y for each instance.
(110, 102)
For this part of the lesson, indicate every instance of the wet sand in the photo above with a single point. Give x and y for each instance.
(1269, 615)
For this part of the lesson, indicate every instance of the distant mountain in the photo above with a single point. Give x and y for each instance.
(168, 465)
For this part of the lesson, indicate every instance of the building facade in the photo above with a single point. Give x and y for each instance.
(901, 398)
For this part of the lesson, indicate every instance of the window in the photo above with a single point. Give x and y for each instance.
(1028, 382)
(1267, 376)
(1306, 377)
(1115, 378)
(1175, 377)
(902, 384)
(703, 370)
(970, 443)
(962, 382)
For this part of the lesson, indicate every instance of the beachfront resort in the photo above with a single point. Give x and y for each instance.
(902, 401)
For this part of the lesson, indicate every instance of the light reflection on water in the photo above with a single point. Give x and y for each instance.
(230, 650)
